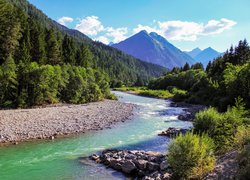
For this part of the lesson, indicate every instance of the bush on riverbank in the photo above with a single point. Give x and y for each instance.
(191, 156)
(163, 94)
(143, 91)
(221, 127)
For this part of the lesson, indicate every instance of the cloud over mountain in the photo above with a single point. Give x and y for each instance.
(63, 20)
(171, 30)
(187, 30)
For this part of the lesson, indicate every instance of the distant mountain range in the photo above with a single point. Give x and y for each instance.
(204, 56)
(153, 48)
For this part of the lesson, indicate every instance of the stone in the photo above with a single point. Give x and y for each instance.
(141, 173)
(152, 166)
(164, 165)
(130, 156)
(116, 164)
(128, 167)
(94, 157)
(141, 164)
(170, 132)
(166, 176)
(51, 137)
(107, 161)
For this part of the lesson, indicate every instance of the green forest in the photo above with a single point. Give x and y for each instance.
(42, 62)
(218, 85)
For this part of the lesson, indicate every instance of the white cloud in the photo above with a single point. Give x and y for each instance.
(63, 20)
(186, 30)
(118, 34)
(147, 28)
(171, 30)
(91, 25)
(217, 27)
(102, 39)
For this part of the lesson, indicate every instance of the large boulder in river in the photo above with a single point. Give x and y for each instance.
(141, 164)
(116, 164)
(170, 132)
(128, 167)
(153, 166)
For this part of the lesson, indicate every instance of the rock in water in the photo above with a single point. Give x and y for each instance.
(128, 167)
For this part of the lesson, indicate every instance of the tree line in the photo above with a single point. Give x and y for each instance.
(223, 80)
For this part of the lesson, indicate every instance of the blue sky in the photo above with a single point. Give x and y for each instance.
(185, 23)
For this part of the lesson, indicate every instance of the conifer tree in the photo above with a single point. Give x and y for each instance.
(52, 48)
(186, 67)
(37, 40)
(10, 31)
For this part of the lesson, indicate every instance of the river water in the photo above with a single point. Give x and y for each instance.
(59, 159)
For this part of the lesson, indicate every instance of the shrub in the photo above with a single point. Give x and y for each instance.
(206, 121)
(221, 127)
(179, 95)
(164, 94)
(242, 136)
(191, 156)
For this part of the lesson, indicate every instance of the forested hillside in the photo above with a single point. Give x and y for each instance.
(224, 80)
(44, 62)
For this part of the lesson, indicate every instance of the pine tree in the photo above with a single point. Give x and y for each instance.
(197, 66)
(37, 41)
(10, 30)
(68, 50)
(186, 67)
(8, 83)
(52, 48)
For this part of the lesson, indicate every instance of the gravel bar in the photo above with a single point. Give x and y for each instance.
(50, 122)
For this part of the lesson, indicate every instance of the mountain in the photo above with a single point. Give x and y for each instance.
(153, 48)
(118, 65)
(194, 52)
(208, 54)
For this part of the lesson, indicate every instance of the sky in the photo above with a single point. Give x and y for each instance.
(185, 23)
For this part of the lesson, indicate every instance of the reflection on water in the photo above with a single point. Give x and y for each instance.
(59, 159)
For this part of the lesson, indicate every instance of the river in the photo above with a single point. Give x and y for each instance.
(59, 159)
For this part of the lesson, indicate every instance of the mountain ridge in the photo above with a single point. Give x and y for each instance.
(204, 56)
(153, 48)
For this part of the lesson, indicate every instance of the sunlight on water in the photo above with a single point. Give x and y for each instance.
(59, 159)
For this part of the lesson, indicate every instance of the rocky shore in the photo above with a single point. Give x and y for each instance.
(172, 132)
(140, 164)
(51, 122)
(190, 110)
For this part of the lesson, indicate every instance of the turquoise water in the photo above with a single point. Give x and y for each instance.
(60, 158)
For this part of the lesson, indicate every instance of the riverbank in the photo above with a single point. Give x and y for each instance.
(51, 122)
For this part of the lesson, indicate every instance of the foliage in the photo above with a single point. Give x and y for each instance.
(225, 79)
(179, 94)
(221, 127)
(242, 137)
(163, 94)
(43, 62)
(183, 80)
(191, 156)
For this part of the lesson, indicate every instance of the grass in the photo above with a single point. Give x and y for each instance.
(143, 91)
